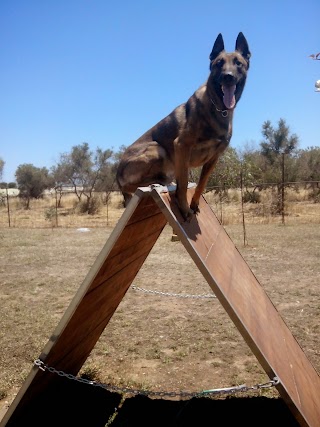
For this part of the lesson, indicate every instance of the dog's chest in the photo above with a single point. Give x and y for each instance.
(205, 150)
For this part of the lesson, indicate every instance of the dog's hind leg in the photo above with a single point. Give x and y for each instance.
(143, 165)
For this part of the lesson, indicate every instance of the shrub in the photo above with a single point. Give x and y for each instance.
(315, 195)
(50, 215)
(251, 197)
(90, 206)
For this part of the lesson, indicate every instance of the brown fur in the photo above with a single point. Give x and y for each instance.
(194, 134)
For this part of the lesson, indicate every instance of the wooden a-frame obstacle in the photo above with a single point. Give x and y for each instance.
(226, 272)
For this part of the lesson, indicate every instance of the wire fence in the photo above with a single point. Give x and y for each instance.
(262, 203)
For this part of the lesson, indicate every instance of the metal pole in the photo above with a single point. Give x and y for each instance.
(282, 190)
(56, 210)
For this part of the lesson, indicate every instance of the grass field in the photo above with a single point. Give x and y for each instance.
(154, 342)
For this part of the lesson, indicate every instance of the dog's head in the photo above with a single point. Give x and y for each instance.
(228, 72)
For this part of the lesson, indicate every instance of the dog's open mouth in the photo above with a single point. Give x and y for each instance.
(229, 98)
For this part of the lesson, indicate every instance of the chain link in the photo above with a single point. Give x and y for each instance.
(168, 294)
(182, 394)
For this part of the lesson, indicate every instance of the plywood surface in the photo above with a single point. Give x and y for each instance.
(94, 304)
(249, 307)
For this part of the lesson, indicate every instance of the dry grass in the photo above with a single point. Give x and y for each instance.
(68, 213)
(299, 209)
(153, 342)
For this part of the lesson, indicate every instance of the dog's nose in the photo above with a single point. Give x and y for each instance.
(228, 78)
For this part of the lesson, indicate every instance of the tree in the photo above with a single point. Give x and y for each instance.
(251, 174)
(277, 141)
(276, 144)
(32, 181)
(100, 177)
(84, 170)
(308, 170)
(308, 164)
(226, 173)
(60, 178)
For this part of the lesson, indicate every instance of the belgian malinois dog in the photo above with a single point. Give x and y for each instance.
(195, 134)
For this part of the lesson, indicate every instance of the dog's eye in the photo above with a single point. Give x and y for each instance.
(238, 63)
(220, 63)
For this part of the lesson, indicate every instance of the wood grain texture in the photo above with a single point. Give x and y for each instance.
(94, 304)
(249, 307)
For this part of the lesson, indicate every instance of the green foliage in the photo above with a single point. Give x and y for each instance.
(90, 205)
(49, 213)
(277, 140)
(88, 171)
(50, 216)
(85, 171)
(32, 181)
(227, 170)
(251, 168)
(308, 164)
(251, 197)
(8, 185)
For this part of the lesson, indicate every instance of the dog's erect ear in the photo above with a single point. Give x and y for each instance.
(242, 46)
(217, 47)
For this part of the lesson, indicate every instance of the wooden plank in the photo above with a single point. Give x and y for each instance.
(94, 304)
(248, 306)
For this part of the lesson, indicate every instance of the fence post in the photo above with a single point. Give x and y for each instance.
(56, 210)
(245, 241)
(282, 190)
(8, 206)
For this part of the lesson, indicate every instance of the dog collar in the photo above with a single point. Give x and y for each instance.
(224, 113)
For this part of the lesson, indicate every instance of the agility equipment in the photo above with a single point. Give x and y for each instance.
(226, 272)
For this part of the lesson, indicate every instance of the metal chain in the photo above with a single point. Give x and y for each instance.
(182, 394)
(168, 294)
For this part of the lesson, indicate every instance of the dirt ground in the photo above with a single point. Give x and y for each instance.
(156, 341)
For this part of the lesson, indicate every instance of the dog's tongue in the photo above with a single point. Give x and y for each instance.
(229, 99)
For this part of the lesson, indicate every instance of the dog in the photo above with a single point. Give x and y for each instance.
(194, 134)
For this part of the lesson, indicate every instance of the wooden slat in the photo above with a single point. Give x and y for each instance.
(249, 307)
(103, 294)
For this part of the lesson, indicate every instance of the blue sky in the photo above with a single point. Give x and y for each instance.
(103, 71)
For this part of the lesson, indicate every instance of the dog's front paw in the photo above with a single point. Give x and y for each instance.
(187, 214)
(194, 207)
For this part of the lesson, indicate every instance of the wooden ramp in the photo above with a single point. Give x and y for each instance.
(226, 272)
